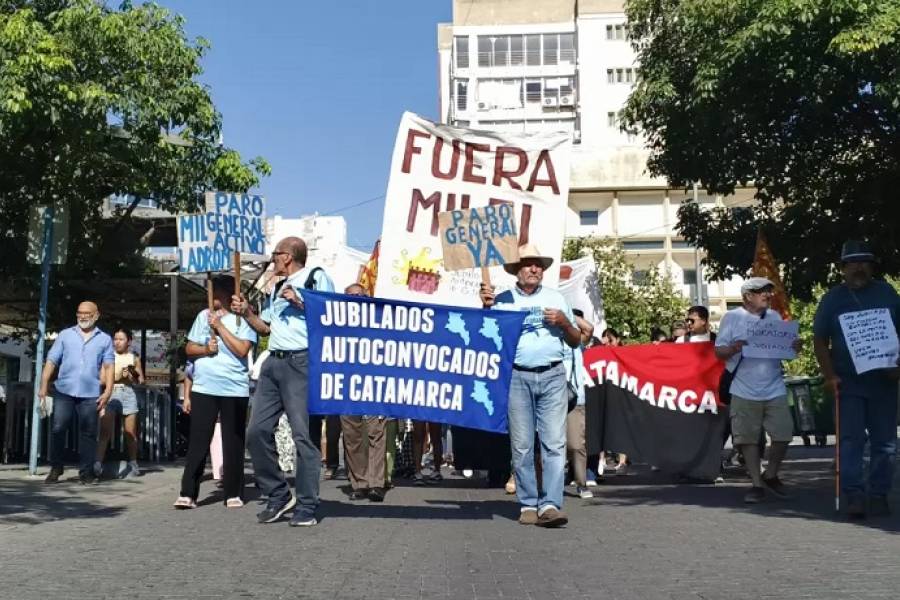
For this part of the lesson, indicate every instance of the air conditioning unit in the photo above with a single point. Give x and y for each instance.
(549, 102)
(484, 106)
(567, 101)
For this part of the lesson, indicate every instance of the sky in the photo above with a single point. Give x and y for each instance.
(318, 89)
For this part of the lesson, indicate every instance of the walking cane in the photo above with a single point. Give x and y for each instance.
(837, 451)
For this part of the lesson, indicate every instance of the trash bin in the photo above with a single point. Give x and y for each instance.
(802, 409)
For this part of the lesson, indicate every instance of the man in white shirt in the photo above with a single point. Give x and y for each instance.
(758, 395)
(697, 322)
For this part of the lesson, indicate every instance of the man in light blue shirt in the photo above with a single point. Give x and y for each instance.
(537, 394)
(282, 386)
(758, 395)
(84, 357)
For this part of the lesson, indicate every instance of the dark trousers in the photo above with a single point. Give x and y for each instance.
(332, 437)
(282, 389)
(871, 416)
(231, 412)
(64, 408)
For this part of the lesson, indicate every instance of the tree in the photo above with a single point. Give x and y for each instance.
(96, 101)
(632, 308)
(798, 98)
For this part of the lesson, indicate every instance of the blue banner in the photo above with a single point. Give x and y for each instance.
(442, 364)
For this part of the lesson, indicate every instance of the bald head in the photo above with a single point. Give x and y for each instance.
(289, 256)
(296, 247)
(354, 289)
(88, 307)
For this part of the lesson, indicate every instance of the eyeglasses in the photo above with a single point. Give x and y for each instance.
(276, 253)
(766, 290)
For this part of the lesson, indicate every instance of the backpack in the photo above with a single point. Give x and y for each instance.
(311, 280)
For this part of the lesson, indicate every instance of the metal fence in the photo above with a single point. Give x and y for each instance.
(156, 435)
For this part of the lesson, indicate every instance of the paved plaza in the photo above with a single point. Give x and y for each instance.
(642, 537)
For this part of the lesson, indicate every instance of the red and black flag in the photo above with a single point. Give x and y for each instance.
(657, 403)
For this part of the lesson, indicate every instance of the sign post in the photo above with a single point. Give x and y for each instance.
(47, 251)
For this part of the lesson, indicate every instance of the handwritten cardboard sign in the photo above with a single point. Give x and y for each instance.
(479, 237)
(195, 254)
(871, 338)
(771, 339)
(237, 222)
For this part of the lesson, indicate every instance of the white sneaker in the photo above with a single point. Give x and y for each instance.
(585, 493)
(591, 483)
(133, 469)
(467, 473)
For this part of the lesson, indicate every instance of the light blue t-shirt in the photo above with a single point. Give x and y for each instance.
(223, 373)
(287, 323)
(575, 371)
(540, 343)
(79, 361)
(756, 378)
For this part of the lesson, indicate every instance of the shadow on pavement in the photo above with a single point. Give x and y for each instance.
(436, 509)
(27, 502)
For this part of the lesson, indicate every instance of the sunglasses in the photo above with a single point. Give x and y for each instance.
(690, 321)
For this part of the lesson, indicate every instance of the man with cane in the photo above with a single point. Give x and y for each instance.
(866, 402)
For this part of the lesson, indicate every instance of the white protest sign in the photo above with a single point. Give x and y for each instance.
(871, 338)
(195, 255)
(438, 168)
(237, 223)
(771, 339)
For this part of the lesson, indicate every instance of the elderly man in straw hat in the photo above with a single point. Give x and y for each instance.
(868, 400)
(537, 395)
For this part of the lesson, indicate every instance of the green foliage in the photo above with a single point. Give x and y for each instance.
(95, 101)
(799, 98)
(633, 309)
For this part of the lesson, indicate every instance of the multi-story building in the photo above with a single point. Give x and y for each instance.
(530, 65)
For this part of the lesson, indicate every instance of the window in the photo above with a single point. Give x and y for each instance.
(689, 277)
(610, 32)
(610, 76)
(127, 199)
(551, 48)
(567, 48)
(622, 75)
(643, 245)
(611, 120)
(462, 94)
(589, 217)
(516, 56)
(617, 32)
(533, 50)
(681, 245)
(733, 305)
(501, 51)
(485, 51)
(462, 52)
(533, 91)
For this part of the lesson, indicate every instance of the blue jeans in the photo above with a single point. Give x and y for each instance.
(64, 408)
(537, 402)
(876, 414)
(282, 389)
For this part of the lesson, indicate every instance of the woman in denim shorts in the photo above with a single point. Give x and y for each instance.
(123, 400)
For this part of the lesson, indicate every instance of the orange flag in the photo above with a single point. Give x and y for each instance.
(368, 273)
(764, 265)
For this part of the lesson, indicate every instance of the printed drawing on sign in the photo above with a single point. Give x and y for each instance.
(439, 169)
(195, 255)
(479, 237)
(236, 222)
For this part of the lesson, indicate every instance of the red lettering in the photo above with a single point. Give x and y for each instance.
(451, 201)
(501, 173)
(436, 160)
(470, 166)
(411, 147)
(544, 159)
(433, 202)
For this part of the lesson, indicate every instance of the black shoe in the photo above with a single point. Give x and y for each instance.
(878, 506)
(856, 507)
(274, 512)
(358, 494)
(87, 479)
(755, 495)
(376, 495)
(54, 475)
(775, 486)
(418, 480)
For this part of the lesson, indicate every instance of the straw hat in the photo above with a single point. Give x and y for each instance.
(528, 251)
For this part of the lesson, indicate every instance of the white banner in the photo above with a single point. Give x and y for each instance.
(771, 339)
(436, 168)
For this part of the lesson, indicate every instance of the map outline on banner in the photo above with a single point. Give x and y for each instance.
(468, 352)
(436, 168)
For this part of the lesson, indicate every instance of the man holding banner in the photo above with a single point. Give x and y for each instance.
(537, 395)
(282, 386)
(856, 329)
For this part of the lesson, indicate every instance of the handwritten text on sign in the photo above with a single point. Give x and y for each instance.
(237, 222)
(195, 255)
(479, 237)
(871, 339)
(771, 339)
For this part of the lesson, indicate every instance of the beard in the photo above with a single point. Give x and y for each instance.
(86, 324)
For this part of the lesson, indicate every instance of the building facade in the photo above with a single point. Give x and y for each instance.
(568, 65)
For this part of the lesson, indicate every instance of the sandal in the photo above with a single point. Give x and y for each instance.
(184, 503)
(234, 503)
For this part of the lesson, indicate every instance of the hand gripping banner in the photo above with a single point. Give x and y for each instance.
(442, 364)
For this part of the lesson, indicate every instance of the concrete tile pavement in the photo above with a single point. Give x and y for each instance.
(641, 537)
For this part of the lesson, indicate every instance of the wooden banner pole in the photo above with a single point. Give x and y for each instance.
(486, 276)
(237, 278)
